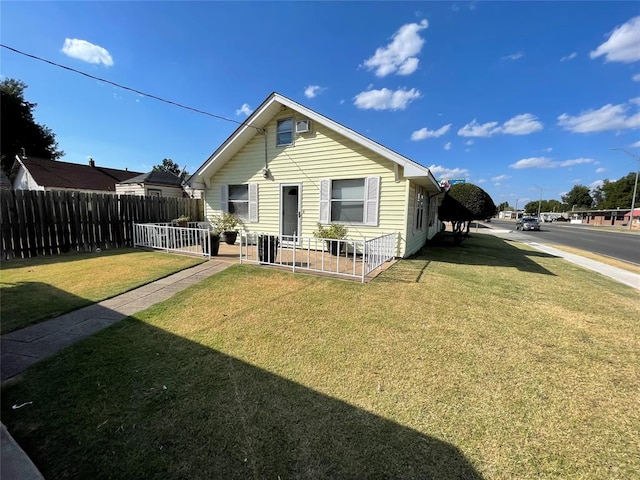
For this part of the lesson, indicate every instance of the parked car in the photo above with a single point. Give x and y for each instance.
(560, 219)
(527, 223)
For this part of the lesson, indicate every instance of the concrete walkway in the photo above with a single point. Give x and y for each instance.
(23, 348)
(618, 274)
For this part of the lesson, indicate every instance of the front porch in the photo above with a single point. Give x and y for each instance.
(353, 259)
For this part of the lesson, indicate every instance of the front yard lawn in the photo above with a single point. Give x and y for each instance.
(487, 361)
(40, 288)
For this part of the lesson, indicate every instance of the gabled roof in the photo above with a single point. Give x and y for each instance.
(269, 109)
(57, 174)
(155, 177)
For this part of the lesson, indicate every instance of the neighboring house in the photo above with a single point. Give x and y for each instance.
(156, 183)
(31, 173)
(287, 167)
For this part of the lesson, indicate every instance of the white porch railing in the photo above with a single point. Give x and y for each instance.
(165, 236)
(348, 258)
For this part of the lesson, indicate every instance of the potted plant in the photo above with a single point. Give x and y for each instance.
(227, 224)
(181, 221)
(331, 234)
(211, 238)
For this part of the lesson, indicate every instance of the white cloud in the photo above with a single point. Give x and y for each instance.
(513, 56)
(474, 129)
(522, 124)
(548, 149)
(500, 178)
(87, 52)
(608, 117)
(386, 99)
(533, 162)
(601, 170)
(447, 146)
(469, 143)
(635, 145)
(636, 77)
(399, 56)
(481, 180)
(623, 45)
(313, 91)
(576, 161)
(596, 184)
(448, 173)
(571, 56)
(426, 133)
(546, 162)
(245, 109)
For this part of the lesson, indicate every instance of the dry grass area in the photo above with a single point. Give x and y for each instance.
(40, 288)
(486, 361)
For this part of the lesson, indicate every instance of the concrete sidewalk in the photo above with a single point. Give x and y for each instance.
(23, 348)
(618, 274)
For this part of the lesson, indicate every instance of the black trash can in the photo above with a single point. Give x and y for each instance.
(267, 248)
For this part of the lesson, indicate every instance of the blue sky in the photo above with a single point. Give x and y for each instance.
(525, 99)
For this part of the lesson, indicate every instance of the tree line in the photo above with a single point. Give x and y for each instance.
(610, 195)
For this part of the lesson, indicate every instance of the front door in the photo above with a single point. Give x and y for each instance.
(290, 211)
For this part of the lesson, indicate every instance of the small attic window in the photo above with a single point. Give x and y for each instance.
(284, 132)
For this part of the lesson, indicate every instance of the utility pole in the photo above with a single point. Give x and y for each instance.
(635, 186)
(540, 201)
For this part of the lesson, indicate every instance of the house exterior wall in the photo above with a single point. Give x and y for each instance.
(24, 181)
(145, 189)
(319, 154)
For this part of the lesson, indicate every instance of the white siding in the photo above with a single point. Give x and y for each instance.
(319, 154)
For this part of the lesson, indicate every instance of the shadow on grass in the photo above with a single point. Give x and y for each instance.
(43, 300)
(63, 258)
(136, 401)
(478, 250)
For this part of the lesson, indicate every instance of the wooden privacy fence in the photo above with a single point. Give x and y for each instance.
(49, 223)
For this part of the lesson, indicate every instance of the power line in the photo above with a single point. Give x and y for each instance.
(124, 87)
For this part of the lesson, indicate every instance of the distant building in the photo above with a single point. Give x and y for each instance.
(157, 183)
(30, 173)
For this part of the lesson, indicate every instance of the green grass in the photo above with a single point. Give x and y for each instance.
(40, 288)
(491, 360)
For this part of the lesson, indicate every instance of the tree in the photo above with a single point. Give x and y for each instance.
(615, 194)
(18, 128)
(463, 203)
(503, 206)
(579, 197)
(170, 166)
(531, 208)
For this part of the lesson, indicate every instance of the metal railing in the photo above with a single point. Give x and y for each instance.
(193, 240)
(344, 257)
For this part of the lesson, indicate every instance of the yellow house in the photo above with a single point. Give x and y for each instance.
(288, 168)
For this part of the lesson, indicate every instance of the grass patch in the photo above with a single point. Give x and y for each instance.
(40, 288)
(491, 360)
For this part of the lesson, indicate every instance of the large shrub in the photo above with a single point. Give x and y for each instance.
(463, 203)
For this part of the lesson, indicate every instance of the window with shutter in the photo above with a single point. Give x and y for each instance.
(350, 201)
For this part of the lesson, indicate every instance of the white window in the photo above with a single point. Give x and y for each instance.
(419, 209)
(241, 200)
(351, 201)
(284, 132)
(154, 192)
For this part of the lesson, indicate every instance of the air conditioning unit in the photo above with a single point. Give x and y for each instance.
(303, 126)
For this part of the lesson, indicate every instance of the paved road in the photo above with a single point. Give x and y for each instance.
(623, 246)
